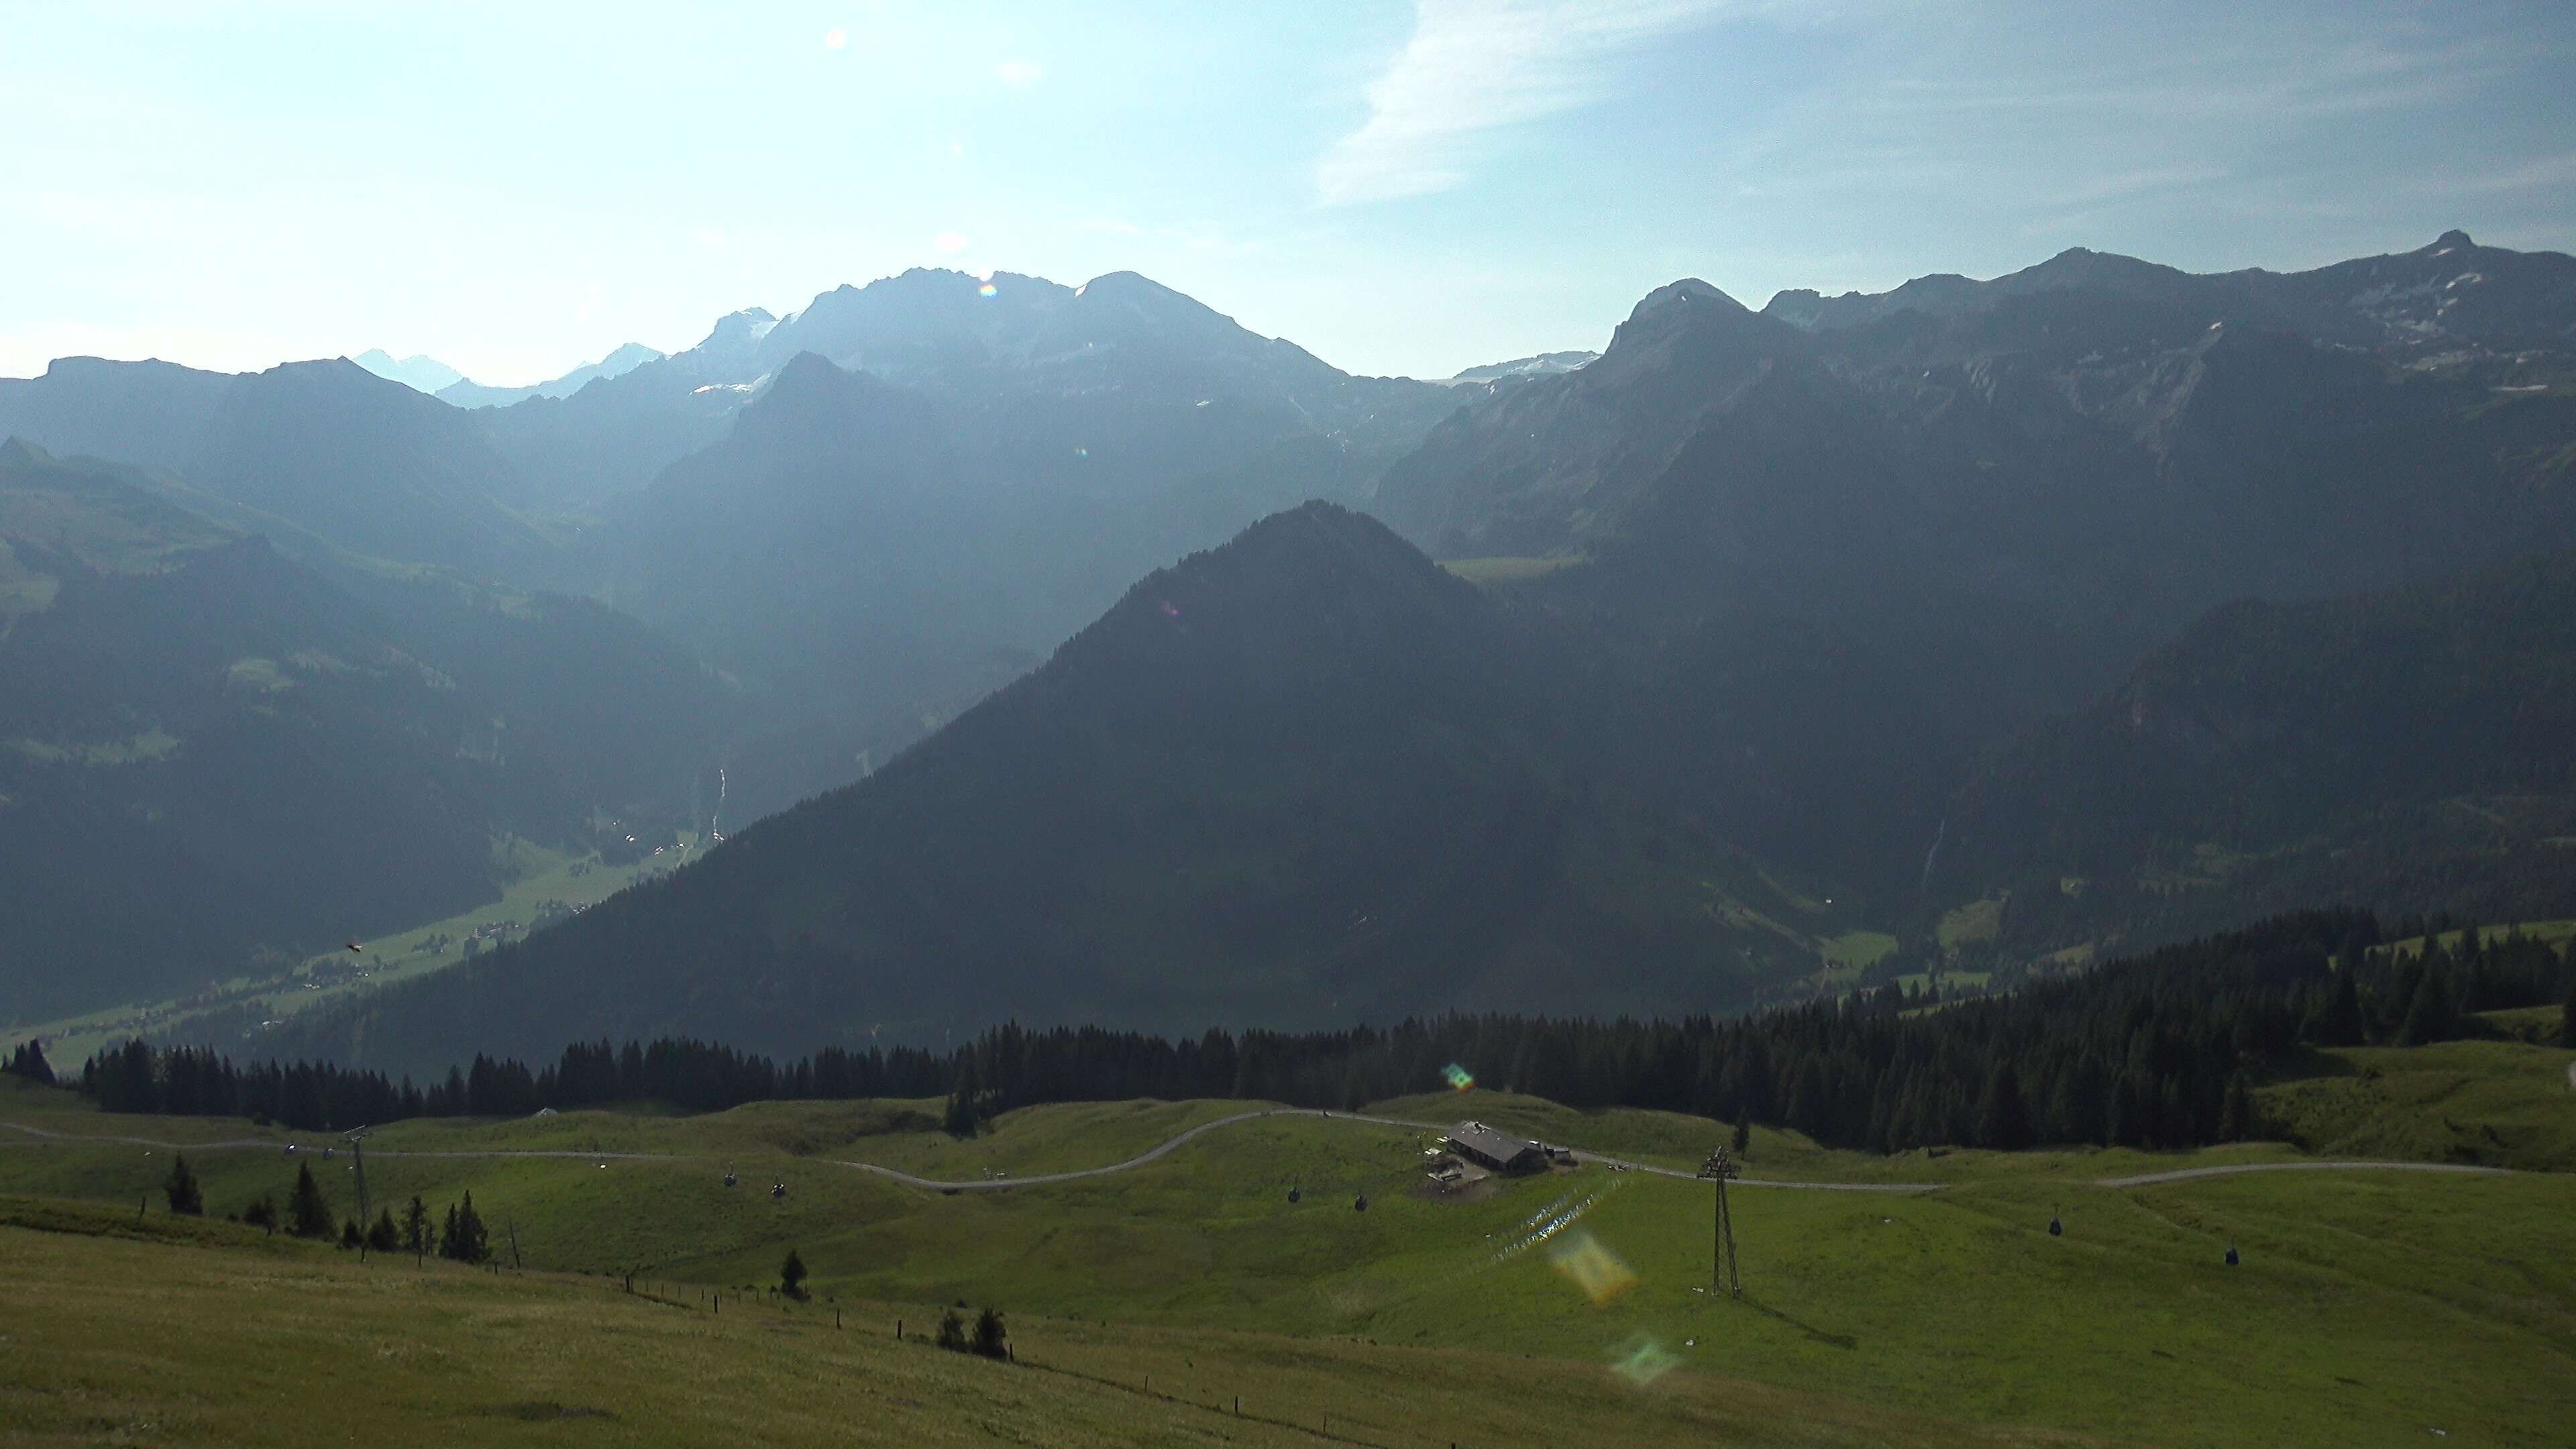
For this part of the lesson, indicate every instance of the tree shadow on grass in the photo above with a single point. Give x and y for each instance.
(1814, 1334)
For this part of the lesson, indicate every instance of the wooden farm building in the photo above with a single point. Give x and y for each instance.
(1496, 1151)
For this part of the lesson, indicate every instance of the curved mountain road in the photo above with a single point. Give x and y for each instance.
(1155, 1154)
(2188, 1174)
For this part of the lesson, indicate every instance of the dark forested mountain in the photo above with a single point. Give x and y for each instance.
(365, 463)
(935, 480)
(1984, 501)
(214, 757)
(2408, 748)
(1762, 591)
(1305, 777)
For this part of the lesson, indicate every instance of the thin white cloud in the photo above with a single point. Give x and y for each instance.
(1474, 66)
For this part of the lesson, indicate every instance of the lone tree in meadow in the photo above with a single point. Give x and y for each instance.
(791, 1276)
(415, 1229)
(991, 1340)
(952, 1331)
(464, 1238)
(307, 1215)
(1743, 1132)
(186, 1198)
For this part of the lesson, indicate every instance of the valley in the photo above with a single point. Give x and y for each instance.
(1534, 722)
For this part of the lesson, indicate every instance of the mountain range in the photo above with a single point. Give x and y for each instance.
(423, 373)
(215, 757)
(1765, 646)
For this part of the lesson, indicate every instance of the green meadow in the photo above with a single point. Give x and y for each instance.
(2370, 1306)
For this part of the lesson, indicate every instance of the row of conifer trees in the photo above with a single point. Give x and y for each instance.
(2157, 1051)
(306, 1213)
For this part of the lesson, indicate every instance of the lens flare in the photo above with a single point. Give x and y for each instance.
(1591, 1267)
(1641, 1361)
(985, 290)
(1460, 1079)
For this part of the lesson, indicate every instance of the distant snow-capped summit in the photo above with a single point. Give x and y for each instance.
(419, 371)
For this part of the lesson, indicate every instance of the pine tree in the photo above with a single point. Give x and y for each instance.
(415, 1230)
(2236, 1116)
(262, 1213)
(2122, 1120)
(965, 1116)
(2002, 1122)
(464, 1239)
(384, 1237)
(28, 1061)
(1743, 1138)
(2429, 1015)
(307, 1215)
(186, 1198)
(350, 1237)
(990, 1339)
(952, 1331)
(2338, 1020)
(791, 1276)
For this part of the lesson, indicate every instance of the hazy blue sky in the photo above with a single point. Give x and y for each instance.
(1401, 187)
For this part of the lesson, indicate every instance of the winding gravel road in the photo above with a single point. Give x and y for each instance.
(996, 1184)
(2186, 1174)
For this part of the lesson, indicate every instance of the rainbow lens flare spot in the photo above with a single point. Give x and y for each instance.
(1591, 1267)
(1459, 1078)
(1641, 1361)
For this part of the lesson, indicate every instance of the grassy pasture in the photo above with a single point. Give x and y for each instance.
(2501, 1103)
(2372, 1307)
(216, 1335)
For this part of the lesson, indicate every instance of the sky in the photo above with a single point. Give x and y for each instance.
(1399, 187)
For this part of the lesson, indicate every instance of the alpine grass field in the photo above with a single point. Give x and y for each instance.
(1567, 1308)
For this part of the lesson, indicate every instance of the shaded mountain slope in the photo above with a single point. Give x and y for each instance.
(1305, 777)
(366, 463)
(2405, 750)
(214, 757)
(2449, 295)
(1986, 500)
(870, 552)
